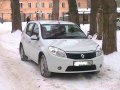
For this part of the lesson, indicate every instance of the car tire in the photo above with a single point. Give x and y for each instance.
(22, 54)
(44, 67)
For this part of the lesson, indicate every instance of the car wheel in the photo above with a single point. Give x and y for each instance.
(22, 54)
(43, 67)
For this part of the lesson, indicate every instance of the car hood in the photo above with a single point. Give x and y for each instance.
(72, 45)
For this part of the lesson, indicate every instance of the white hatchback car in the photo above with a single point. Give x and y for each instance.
(60, 47)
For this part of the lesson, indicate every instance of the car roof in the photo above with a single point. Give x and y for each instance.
(53, 22)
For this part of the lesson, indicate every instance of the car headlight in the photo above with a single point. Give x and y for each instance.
(99, 51)
(57, 52)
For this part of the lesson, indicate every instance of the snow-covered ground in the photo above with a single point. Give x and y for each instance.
(18, 75)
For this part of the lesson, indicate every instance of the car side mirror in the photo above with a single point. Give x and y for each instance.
(90, 36)
(34, 37)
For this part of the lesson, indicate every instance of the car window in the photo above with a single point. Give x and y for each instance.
(62, 31)
(44, 31)
(35, 30)
(29, 29)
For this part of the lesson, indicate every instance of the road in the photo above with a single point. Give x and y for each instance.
(19, 75)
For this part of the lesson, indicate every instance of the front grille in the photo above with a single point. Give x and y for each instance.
(81, 55)
(81, 68)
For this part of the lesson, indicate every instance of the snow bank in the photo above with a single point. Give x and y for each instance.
(85, 28)
(10, 40)
(7, 26)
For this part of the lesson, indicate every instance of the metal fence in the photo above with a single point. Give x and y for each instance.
(6, 17)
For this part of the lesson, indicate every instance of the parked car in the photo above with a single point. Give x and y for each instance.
(60, 47)
(118, 23)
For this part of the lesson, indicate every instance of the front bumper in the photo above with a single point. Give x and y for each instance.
(65, 65)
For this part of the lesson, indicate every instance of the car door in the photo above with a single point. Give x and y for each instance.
(35, 44)
(27, 39)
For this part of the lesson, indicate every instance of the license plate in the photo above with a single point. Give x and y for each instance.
(83, 63)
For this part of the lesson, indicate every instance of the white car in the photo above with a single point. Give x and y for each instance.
(60, 47)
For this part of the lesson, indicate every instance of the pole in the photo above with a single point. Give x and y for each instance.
(63, 16)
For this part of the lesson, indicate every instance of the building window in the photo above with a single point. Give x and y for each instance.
(42, 5)
(63, 5)
(37, 5)
(78, 4)
(29, 5)
(50, 5)
(21, 5)
(89, 3)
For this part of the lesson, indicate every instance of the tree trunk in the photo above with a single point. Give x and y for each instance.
(55, 11)
(16, 18)
(99, 20)
(73, 12)
(93, 15)
(109, 25)
(99, 25)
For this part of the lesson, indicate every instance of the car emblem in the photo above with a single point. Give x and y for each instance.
(82, 55)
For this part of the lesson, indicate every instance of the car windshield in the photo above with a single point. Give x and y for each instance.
(62, 31)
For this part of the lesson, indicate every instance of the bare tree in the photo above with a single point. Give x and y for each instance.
(93, 15)
(99, 21)
(109, 25)
(55, 11)
(73, 12)
(99, 24)
(16, 18)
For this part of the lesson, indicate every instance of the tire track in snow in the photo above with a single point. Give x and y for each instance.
(21, 75)
(16, 73)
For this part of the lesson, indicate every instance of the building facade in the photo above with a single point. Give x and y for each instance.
(37, 9)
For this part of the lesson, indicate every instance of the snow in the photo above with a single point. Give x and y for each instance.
(118, 10)
(88, 10)
(84, 10)
(18, 75)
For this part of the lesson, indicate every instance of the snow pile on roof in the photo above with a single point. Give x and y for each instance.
(88, 10)
(84, 10)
